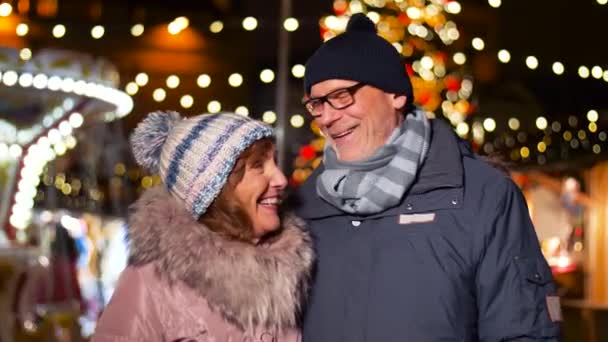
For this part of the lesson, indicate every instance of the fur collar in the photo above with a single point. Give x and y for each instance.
(249, 285)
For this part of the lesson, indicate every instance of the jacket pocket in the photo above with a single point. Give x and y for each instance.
(533, 270)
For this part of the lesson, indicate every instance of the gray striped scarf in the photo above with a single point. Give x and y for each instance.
(380, 181)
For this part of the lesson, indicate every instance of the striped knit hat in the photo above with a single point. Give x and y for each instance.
(195, 155)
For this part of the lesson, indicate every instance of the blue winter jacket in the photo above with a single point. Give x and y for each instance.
(457, 260)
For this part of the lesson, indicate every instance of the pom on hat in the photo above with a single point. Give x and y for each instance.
(149, 137)
(360, 22)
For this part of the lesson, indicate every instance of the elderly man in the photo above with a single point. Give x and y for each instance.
(417, 239)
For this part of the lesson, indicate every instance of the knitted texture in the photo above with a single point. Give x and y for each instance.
(359, 54)
(194, 156)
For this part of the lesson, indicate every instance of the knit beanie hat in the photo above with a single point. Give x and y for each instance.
(194, 156)
(359, 54)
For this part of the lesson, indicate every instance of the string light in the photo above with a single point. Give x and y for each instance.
(453, 7)
(131, 88)
(504, 56)
(495, 3)
(250, 23)
(592, 115)
(513, 124)
(159, 95)
(531, 62)
(186, 101)
(583, 71)
(22, 29)
(235, 80)
(172, 81)
(298, 70)
(97, 31)
(297, 120)
(269, 117)
(59, 31)
(214, 106)
(25, 54)
(216, 26)
(137, 30)
(267, 75)
(291, 24)
(541, 123)
(558, 68)
(478, 43)
(597, 72)
(459, 58)
(5, 9)
(242, 110)
(141, 79)
(203, 81)
(489, 124)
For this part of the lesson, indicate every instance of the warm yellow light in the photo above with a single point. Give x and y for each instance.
(426, 62)
(524, 152)
(495, 3)
(462, 129)
(602, 2)
(97, 31)
(413, 12)
(297, 120)
(5, 9)
(182, 22)
(583, 71)
(541, 123)
(159, 94)
(373, 16)
(478, 43)
(597, 149)
(504, 56)
(532, 62)
(453, 7)
(141, 79)
(597, 72)
(592, 127)
(186, 101)
(298, 70)
(173, 28)
(291, 24)
(25, 54)
(267, 75)
(593, 115)
(214, 106)
(203, 80)
(216, 26)
(541, 147)
(235, 80)
(605, 76)
(242, 110)
(269, 117)
(172, 81)
(459, 58)
(489, 124)
(558, 68)
(137, 30)
(514, 124)
(131, 88)
(250, 23)
(59, 31)
(22, 29)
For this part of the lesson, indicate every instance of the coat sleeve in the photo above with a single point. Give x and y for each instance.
(131, 315)
(516, 295)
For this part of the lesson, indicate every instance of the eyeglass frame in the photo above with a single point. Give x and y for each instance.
(327, 98)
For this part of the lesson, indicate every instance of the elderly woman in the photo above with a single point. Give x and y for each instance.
(211, 258)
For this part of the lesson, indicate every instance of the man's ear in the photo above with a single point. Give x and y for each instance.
(399, 101)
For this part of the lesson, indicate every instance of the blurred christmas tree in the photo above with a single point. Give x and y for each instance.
(422, 32)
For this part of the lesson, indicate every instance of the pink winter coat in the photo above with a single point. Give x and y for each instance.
(187, 283)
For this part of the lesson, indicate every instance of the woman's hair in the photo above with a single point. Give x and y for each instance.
(226, 214)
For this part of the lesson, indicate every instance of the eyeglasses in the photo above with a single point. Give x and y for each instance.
(337, 99)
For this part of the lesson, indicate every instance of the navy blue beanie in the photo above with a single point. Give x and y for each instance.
(359, 54)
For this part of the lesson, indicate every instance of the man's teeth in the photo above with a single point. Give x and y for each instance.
(271, 201)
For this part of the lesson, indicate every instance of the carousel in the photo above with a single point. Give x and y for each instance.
(46, 96)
